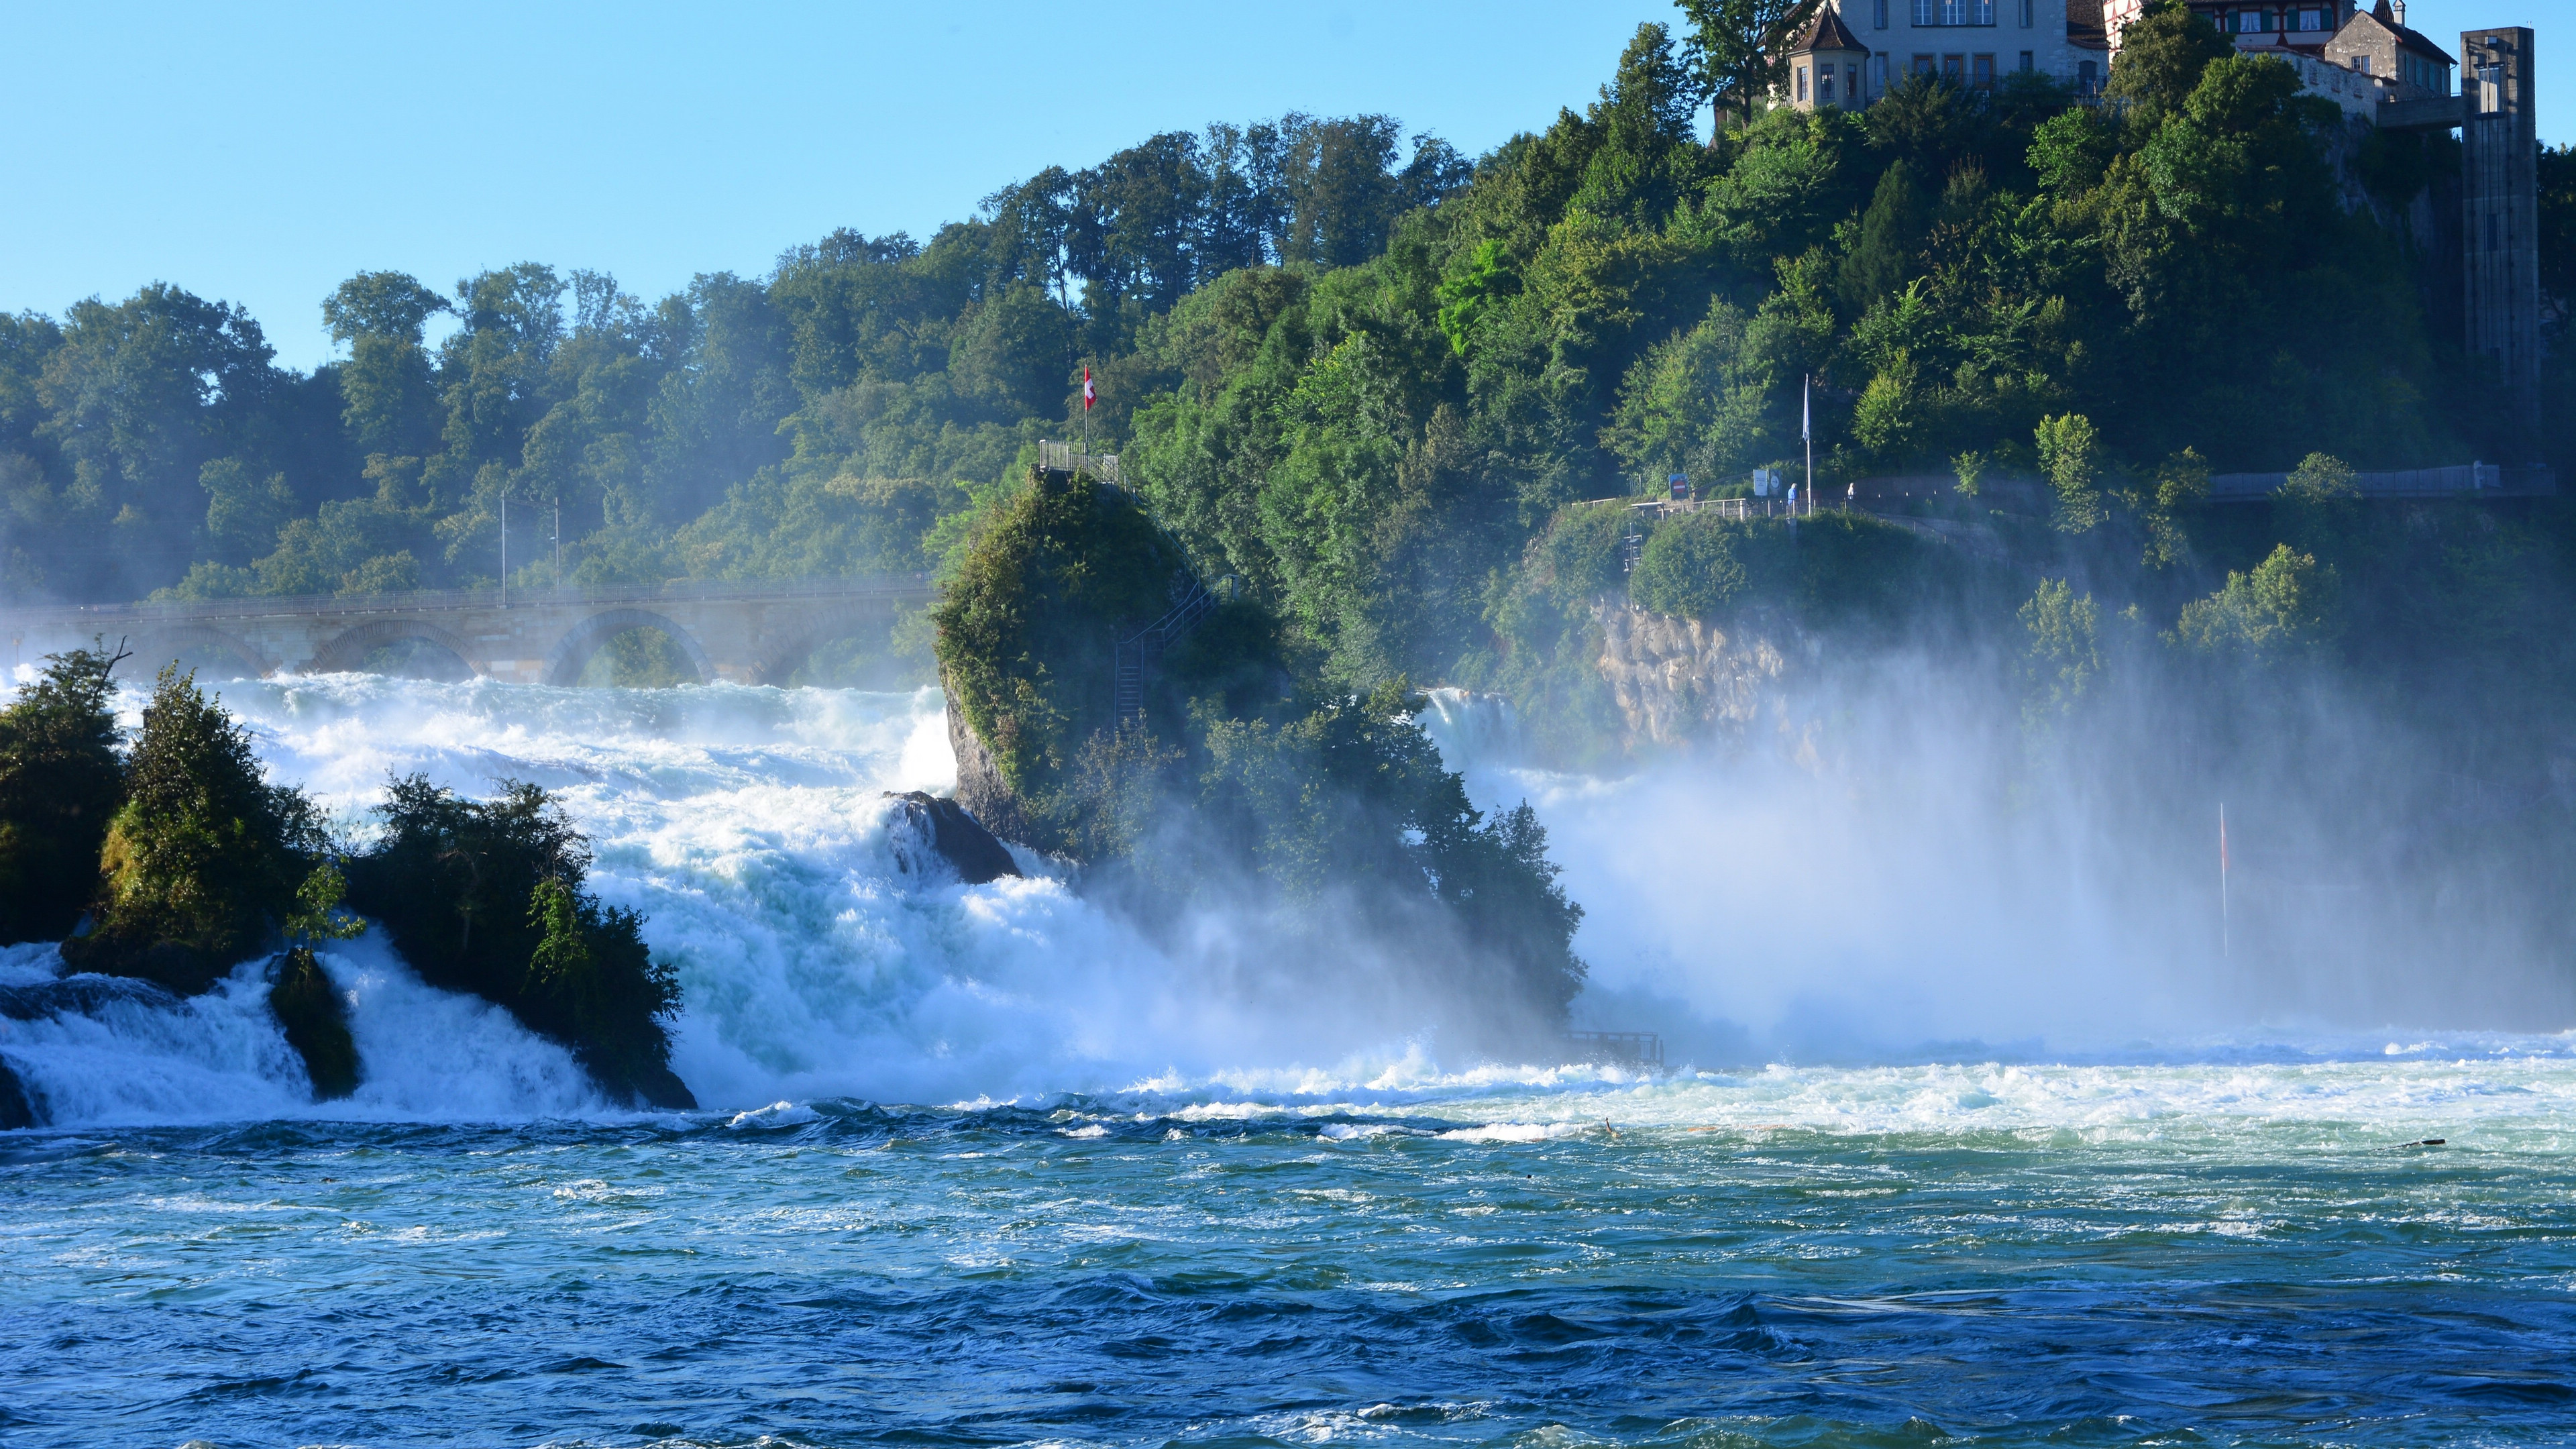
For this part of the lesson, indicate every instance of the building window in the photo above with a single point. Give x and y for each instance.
(2028, 62)
(1878, 13)
(2312, 20)
(1922, 65)
(1981, 69)
(1802, 85)
(1824, 85)
(1954, 12)
(2025, 14)
(1879, 73)
(1954, 69)
(2361, 63)
(2084, 77)
(1851, 85)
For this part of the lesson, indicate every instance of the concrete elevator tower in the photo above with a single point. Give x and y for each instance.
(2500, 236)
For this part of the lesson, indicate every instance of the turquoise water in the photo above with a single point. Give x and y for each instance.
(979, 1167)
(2231, 1253)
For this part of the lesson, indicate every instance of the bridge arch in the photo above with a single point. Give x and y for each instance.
(347, 653)
(565, 661)
(815, 627)
(156, 647)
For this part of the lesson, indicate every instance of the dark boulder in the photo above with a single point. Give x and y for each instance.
(660, 1087)
(316, 1022)
(177, 966)
(954, 836)
(15, 1110)
(78, 996)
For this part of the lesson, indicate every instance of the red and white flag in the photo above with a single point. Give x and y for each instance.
(1090, 394)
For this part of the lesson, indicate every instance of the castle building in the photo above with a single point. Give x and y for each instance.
(2379, 72)
(2374, 42)
(1865, 46)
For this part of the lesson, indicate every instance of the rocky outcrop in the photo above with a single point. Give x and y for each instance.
(981, 790)
(1676, 680)
(654, 1086)
(15, 1110)
(316, 1022)
(951, 835)
(175, 966)
(79, 996)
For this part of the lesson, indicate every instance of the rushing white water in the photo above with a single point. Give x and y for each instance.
(749, 826)
(819, 959)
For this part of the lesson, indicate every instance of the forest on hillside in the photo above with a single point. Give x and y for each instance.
(1348, 367)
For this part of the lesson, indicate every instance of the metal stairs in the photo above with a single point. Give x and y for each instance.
(1141, 653)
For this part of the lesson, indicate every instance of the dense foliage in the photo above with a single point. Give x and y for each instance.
(188, 862)
(203, 862)
(1026, 627)
(1358, 378)
(487, 897)
(1249, 780)
(61, 781)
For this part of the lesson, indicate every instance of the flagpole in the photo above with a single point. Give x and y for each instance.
(2226, 947)
(1807, 433)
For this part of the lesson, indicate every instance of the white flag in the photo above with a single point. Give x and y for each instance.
(1805, 413)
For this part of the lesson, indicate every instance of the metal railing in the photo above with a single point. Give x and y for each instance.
(436, 600)
(1139, 653)
(2471, 480)
(1735, 508)
(1054, 457)
(1634, 1048)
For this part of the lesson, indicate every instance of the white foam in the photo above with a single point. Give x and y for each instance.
(748, 826)
(424, 1054)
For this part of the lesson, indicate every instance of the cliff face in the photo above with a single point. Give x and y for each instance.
(980, 786)
(1678, 681)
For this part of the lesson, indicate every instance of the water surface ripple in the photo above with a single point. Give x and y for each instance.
(1569, 1264)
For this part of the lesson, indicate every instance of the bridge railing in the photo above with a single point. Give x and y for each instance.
(432, 600)
(1639, 1048)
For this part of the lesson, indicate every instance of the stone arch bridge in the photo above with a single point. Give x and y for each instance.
(748, 633)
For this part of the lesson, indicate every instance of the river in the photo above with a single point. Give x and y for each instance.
(980, 1166)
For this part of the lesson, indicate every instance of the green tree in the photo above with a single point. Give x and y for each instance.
(60, 784)
(1737, 48)
(1698, 567)
(2182, 484)
(1028, 627)
(2069, 453)
(244, 511)
(203, 860)
(2283, 608)
(388, 390)
(1647, 159)
(487, 897)
(1889, 248)
(139, 396)
(2163, 53)
(2061, 655)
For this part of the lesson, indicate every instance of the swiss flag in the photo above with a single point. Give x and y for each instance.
(1090, 394)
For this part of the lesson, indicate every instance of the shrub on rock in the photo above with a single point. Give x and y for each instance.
(203, 859)
(486, 897)
(60, 782)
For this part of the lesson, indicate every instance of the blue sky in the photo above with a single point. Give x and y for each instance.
(262, 154)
